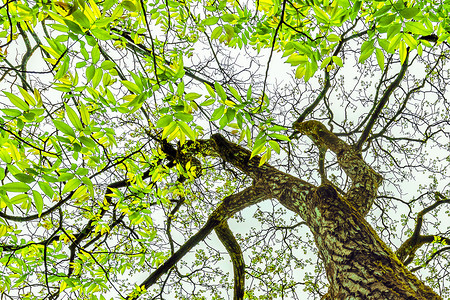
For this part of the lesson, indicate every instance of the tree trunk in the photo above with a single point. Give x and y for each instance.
(359, 265)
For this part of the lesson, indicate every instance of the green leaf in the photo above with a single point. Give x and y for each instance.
(180, 88)
(131, 86)
(218, 113)
(321, 16)
(365, 55)
(220, 91)
(210, 21)
(395, 42)
(74, 27)
(187, 130)
(71, 185)
(228, 18)
(38, 201)
(19, 103)
(108, 65)
(46, 188)
(192, 96)
(235, 93)
(183, 116)
(15, 187)
(64, 128)
(417, 28)
(28, 98)
(403, 52)
(210, 90)
(279, 136)
(169, 129)
(333, 38)
(216, 32)
(164, 121)
(97, 77)
(409, 12)
(295, 59)
(24, 177)
(275, 146)
(79, 16)
(101, 34)
(261, 148)
(88, 142)
(380, 58)
(412, 42)
(325, 62)
(276, 128)
(73, 117)
(208, 102)
(129, 5)
(338, 61)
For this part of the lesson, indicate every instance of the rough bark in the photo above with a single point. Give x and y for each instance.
(227, 238)
(359, 265)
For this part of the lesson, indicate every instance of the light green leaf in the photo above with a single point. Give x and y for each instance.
(64, 128)
(187, 130)
(88, 142)
(216, 32)
(395, 42)
(296, 59)
(19, 103)
(131, 86)
(79, 17)
(333, 37)
(325, 62)
(220, 91)
(210, 21)
(24, 177)
(192, 96)
(46, 188)
(71, 185)
(228, 18)
(403, 52)
(169, 129)
(409, 12)
(73, 117)
(338, 61)
(380, 58)
(101, 34)
(15, 187)
(417, 28)
(183, 116)
(279, 136)
(218, 113)
(275, 146)
(28, 98)
(235, 93)
(38, 201)
(208, 102)
(164, 121)
(107, 65)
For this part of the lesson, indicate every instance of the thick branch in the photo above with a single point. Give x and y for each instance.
(365, 180)
(227, 238)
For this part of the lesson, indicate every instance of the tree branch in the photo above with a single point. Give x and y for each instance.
(229, 206)
(227, 238)
(365, 180)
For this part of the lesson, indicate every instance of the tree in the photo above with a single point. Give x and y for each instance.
(131, 130)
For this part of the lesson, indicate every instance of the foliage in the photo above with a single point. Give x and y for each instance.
(101, 98)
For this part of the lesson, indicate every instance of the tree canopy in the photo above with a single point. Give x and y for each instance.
(224, 149)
